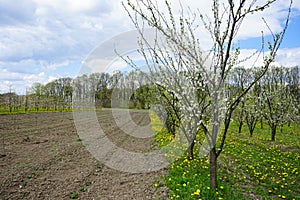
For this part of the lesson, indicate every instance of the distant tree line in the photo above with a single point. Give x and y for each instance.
(274, 99)
(101, 89)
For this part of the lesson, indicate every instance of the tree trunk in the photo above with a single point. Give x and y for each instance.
(213, 168)
(240, 126)
(251, 131)
(191, 150)
(273, 133)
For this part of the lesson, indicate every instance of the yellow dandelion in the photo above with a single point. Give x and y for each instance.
(197, 192)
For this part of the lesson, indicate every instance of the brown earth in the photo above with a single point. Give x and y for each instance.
(41, 157)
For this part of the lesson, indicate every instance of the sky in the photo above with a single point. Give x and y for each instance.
(42, 40)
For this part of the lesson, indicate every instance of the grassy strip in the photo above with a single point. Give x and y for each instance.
(249, 168)
(5, 111)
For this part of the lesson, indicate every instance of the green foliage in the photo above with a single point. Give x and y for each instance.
(249, 167)
(23, 165)
(74, 195)
(163, 138)
(144, 96)
(21, 110)
(171, 112)
(100, 166)
(189, 179)
(88, 183)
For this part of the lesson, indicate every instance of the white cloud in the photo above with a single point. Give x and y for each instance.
(16, 11)
(62, 29)
(39, 37)
(289, 57)
(54, 66)
(15, 75)
(285, 57)
(274, 16)
(18, 82)
(75, 6)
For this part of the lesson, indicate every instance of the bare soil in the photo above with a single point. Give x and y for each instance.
(41, 157)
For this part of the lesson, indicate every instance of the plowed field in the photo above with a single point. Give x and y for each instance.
(42, 157)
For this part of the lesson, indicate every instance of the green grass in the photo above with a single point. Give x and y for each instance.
(74, 195)
(248, 168)
(21, 110)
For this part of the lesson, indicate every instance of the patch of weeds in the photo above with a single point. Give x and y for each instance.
(24, 183)
(88, 183)
(23, 165)
(72, 152)
(29, 176)
(54, 148)
(36, 173)
(100, 166)
(79, 139)
(248, 168)
(163, 138)
(158, 183)
(74, 195)
(62, 158)
(83, 189)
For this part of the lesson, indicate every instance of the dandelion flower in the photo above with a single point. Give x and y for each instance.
(197, 192)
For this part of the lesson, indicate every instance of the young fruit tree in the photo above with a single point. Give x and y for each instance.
(253, 108)
(239, 78)
(278, 100)
(197, 77)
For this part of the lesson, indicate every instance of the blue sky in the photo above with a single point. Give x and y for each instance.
(41, 40)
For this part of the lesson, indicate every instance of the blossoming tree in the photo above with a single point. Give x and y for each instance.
(197, 77)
